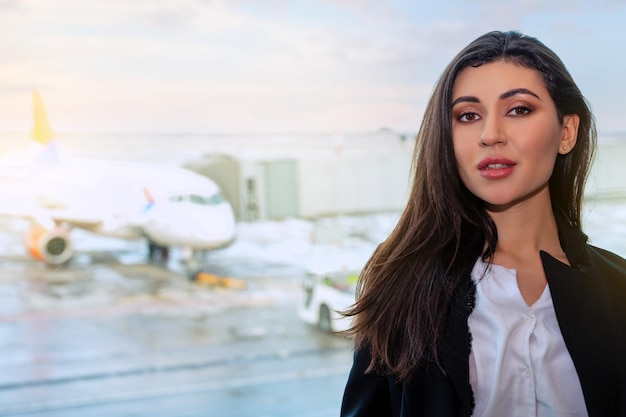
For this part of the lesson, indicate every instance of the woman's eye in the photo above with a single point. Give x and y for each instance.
(467, 117)
(519, 111)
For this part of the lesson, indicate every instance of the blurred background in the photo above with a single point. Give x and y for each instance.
(189, 187)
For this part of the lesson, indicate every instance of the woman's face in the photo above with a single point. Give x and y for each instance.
(506, 133)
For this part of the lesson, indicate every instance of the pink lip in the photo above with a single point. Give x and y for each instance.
(496, 167)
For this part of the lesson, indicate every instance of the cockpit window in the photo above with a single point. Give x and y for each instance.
(213, 200)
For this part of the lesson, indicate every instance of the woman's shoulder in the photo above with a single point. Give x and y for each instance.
(608, 262)
(604, 255)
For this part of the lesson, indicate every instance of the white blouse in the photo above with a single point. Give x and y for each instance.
(519, 365)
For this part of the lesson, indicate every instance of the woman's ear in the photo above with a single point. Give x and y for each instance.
(570, 133)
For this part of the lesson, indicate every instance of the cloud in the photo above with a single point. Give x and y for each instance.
(9, 5)
(148, 63)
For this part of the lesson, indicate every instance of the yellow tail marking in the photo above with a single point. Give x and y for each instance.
(41, 132)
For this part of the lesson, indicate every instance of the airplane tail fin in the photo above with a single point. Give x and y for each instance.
(42, 134)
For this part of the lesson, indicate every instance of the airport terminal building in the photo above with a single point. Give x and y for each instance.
(311, 176)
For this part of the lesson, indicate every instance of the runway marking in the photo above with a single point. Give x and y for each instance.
(164, 369)
(186, 389)
(155, 306)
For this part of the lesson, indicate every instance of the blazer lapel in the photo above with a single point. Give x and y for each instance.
(585, 318)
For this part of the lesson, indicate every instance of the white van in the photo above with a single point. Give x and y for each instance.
(324, 295)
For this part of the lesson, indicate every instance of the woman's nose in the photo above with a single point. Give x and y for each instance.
(492, 132)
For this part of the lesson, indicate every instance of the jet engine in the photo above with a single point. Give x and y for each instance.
(51, 246)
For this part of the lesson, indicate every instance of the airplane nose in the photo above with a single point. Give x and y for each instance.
(218, 228)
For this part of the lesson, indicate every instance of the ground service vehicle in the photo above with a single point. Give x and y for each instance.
(324, 295)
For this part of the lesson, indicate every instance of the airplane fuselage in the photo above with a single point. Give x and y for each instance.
(166, 204)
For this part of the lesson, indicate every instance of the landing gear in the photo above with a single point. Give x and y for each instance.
(158, 253)
(193, 260)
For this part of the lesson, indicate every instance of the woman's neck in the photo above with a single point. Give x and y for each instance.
(526, 228)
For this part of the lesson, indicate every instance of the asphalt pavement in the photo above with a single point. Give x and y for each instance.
(105, 336)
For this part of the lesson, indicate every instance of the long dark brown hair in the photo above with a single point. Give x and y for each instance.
(406, 288)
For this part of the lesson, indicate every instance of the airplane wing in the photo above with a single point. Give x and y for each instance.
(29, 210)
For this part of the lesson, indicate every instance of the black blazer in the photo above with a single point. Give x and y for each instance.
(590, 303)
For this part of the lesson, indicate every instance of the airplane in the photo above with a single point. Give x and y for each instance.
(168, 206)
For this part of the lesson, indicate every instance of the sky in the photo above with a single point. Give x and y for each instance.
(218, 66)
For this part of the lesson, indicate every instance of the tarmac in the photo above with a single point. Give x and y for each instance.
(109, 335)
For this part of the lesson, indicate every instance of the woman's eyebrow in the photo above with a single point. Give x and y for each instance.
(505, 95)
(465, 99)
(516, 91)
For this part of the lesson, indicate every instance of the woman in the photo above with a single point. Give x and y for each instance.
(486, 299)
